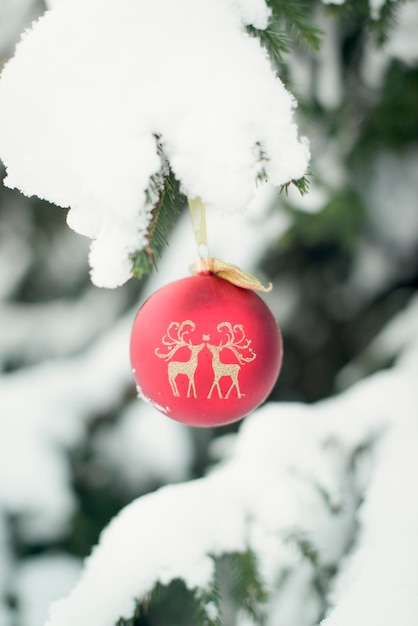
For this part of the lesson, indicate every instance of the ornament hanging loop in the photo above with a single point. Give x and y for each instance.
(209, 265)
(198, 215)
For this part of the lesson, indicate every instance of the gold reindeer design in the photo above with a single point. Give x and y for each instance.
(237, 342)
(175, 368)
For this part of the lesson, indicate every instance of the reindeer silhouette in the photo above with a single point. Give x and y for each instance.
(188, 368)
(230, 370)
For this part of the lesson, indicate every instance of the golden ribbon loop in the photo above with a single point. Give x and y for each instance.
(212, 265)
(198, 215)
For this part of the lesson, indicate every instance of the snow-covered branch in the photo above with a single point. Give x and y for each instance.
(321, 495)
(289, 474)
(92, 86)
(66, 391)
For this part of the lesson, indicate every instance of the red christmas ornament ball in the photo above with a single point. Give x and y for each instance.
(204, 351)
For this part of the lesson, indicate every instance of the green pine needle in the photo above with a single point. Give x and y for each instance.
(247, 589)
(386, 22)
(274, 39)
(305, 545)
(245, 586)
(335, 508)
(301, 184)
(168, 206)
(290, 20)
(207, 605)
(380, 26)
(297, 21)
(142, 608)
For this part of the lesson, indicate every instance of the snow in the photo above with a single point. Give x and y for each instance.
(329, 76)
(398, 334)
(254, 12)
(62, 394)
(403, 43)
(266, 489)
(190, 562)
(272, 476)
(379, 583)
(395, 234)
(14, 14)
(40, 581)
(67, 390)
(296, 605)
(52, 329)
(212, 610)
(14, 262)
(336, 2)
(395, 184)
(312, 202)
(285, 457)
(85, 112)
(154, 448)
(376, 8)
(39, 498)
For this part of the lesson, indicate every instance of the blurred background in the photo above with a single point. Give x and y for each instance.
(75, 443)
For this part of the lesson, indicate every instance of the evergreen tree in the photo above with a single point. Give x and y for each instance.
(307, 510)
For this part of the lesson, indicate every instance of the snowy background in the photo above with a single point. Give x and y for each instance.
(331, 458)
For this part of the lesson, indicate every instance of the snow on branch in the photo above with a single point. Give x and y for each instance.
(94, 86)
(65, 393)
(44, 412)
(378, 585)
(288, 485)
(63, 326)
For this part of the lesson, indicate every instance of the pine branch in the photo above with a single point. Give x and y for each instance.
(305, 545)
(289, 20)
(261, 158)
(142, 608)
(274, 39)
(301, 184)
(207, 605)
(202, 604)
(248, 590)
(321, 576)
(295, 18)
(127, 622)
(381, 25)
(168, 206)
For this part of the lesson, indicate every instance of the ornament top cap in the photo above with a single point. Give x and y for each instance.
(229, 272)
